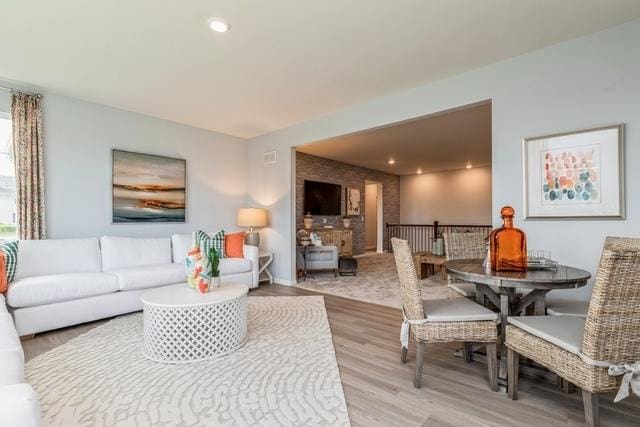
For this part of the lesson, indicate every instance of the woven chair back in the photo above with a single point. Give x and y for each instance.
(409, 284)
(465, 245)
(612, 329)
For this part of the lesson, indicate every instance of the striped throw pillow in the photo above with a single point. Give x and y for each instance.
(206, 242)
(11, 251)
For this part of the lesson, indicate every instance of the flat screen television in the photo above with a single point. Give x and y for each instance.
(322, 198)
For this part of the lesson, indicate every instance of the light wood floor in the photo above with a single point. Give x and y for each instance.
(379, 389)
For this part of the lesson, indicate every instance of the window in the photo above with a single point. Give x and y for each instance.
(7, 181)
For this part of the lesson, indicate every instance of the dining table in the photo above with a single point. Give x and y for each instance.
(514, 292)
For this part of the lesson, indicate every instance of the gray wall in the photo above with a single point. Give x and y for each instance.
(79, 137)
(451, 197)
(586, 82)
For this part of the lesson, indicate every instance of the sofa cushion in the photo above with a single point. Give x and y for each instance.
(124, 252)
(11, 354)
(564, 331)
(57, 256)
(10, 252)
(3, 304)
(234, 266)
(150, 276)
(19, 406)
(32, 291)
(180, 245)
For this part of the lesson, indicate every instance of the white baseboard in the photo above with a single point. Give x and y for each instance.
(284, 282)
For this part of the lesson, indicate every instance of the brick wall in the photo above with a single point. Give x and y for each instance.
(324, 170)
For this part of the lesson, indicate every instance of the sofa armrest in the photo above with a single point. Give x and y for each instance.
(253, 253)
(11, 354)
(19, 406)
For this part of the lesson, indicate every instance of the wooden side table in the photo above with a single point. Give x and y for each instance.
(426, 262)
(265, 259)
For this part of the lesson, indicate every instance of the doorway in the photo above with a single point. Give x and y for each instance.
(373, 221)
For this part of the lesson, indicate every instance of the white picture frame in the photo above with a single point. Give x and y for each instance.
(577, 174)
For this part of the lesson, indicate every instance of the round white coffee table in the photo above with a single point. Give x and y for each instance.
(181, 325)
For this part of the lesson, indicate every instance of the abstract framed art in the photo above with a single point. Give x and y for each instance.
(352, 201)
(576, 174)
(147, 188)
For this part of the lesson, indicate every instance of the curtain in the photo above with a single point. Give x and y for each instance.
(26, 119)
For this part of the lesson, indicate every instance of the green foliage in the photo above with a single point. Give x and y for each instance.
(214, 260)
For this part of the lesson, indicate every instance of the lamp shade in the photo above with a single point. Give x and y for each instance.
(252, 217)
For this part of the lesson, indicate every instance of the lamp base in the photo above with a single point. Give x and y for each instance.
(252, 238)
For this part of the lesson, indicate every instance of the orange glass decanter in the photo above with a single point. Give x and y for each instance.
(508, 245)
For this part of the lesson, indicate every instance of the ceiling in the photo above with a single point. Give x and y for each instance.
(283, 62)
(444, 141)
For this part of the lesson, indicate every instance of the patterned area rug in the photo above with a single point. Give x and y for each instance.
(376, 282)
(286, 374)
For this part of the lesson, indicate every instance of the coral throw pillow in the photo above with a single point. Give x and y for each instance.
(4, 283)
(234, 245)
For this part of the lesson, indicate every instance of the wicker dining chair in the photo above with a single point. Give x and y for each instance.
(444, 320)
(581, 350)
(464, 246)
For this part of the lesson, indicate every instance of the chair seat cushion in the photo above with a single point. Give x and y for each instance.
(456, 310)
(562, 331)
(234, 266)
(567, 308)
(150, 276)
(39, 290)
(465, 289)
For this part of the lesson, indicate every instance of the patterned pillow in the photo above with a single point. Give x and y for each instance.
(11, 251)
(207, 242)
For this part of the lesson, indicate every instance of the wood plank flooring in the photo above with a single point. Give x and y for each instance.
(379, 389)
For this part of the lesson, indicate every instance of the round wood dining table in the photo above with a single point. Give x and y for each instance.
(500, 289)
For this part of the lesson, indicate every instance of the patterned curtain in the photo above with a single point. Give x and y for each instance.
(26, 118)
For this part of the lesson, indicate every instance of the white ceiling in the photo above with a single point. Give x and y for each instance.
(445, 141)
(283, 61)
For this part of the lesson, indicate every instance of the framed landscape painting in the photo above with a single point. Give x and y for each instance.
(147, 188)
(575, 174)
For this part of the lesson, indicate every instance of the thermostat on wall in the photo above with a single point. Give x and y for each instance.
(269, 157)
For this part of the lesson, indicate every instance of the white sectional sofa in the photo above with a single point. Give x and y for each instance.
(18, 401)
(63, 282)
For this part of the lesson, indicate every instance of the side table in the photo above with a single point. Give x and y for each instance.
(265, 260)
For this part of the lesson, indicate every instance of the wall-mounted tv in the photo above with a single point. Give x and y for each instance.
(322, 198)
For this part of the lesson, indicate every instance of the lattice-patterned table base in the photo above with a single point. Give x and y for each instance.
(182, 334)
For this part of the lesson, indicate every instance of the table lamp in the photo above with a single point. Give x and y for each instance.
(252, 217)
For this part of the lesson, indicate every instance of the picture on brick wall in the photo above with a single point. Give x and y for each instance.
(147, 188)
(575, 174)
(352, 201)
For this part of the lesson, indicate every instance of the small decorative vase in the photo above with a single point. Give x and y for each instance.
(215, 282)
(346, 222)
(308, 221)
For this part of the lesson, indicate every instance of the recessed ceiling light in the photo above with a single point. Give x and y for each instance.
(219, 25)
(469, 166)
(392, 161)
(419, 171)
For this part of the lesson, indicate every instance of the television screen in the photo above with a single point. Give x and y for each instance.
(322, 198)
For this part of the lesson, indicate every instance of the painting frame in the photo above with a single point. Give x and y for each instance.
(352, 194)
(180, 218)
(607, 150)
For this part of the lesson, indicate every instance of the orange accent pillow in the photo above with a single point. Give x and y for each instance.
(234, 245)
(4, 285)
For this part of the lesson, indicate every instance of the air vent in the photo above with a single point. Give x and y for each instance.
(269, 157)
